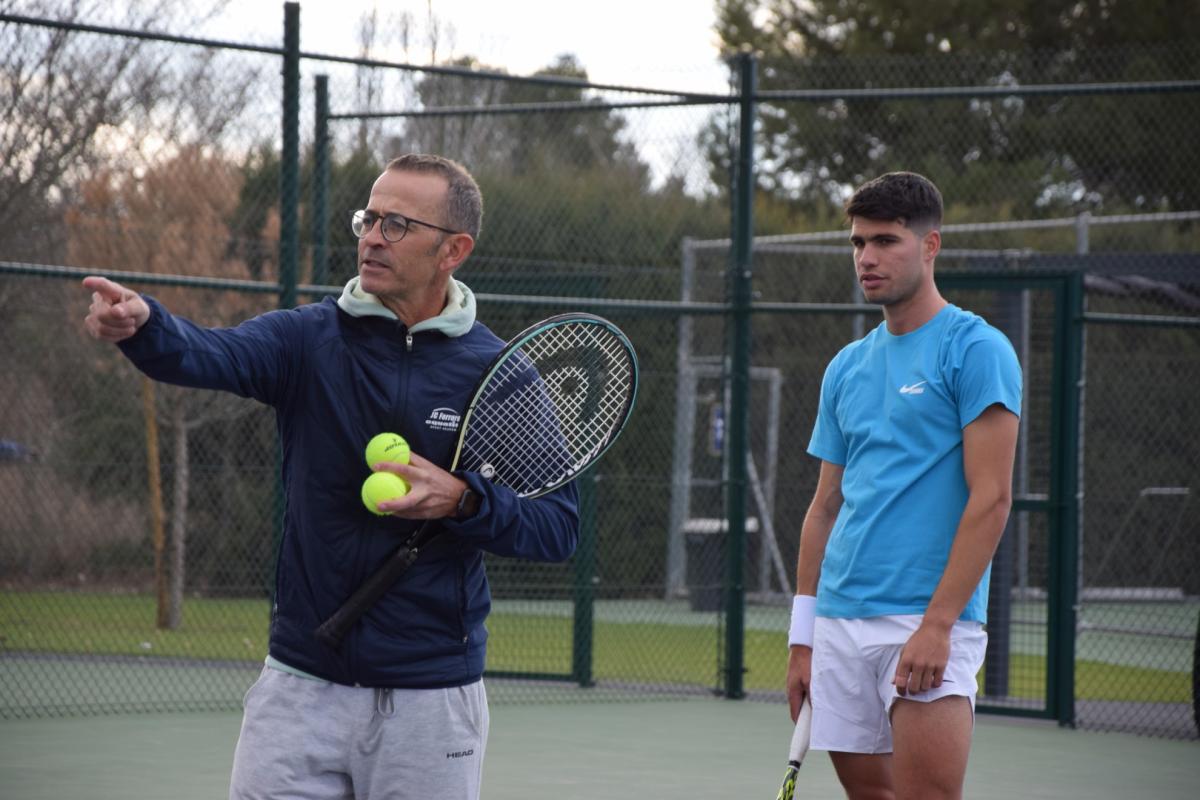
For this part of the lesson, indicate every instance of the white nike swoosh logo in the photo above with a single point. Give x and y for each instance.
(914, 388)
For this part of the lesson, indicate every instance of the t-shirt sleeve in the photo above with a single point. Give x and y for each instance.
(827, 442)
(988, 374)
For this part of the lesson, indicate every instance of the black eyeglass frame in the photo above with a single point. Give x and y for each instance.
(368, 218)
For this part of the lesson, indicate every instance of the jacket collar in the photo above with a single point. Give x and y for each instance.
(456, 317)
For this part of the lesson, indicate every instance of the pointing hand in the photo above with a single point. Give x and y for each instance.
(116, 313)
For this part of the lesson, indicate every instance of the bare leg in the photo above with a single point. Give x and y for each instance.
(864, 776)
(932, 741)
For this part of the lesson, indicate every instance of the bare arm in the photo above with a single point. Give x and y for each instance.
(818, 523)
(814, 536)
(989, 448)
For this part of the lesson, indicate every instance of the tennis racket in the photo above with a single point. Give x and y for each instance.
(797, 751)
(548, 406)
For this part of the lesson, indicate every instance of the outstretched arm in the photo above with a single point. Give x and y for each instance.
(989, 448)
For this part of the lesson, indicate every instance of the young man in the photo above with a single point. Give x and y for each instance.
(399, 710)
(916, 432)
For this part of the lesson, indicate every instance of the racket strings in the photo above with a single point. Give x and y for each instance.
(604, 358)
(550, 407)
(518, 439)
(590, 396)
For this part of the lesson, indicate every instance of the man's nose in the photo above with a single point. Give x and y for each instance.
(374, 234)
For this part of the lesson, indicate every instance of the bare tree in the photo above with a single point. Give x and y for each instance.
(170, 219)
(74, 102)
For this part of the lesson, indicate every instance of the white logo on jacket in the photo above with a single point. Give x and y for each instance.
(443, 419)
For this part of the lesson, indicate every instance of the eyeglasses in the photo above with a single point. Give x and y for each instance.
(394, 226)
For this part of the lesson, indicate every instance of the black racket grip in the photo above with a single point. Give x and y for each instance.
(333, 630)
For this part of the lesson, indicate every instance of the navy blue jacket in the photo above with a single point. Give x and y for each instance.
(335, 380)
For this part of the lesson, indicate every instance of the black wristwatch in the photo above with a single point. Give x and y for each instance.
(468, 504)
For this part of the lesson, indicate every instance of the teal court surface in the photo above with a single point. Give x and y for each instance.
(698, 748)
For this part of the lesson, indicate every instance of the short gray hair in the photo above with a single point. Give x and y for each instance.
(464, 201)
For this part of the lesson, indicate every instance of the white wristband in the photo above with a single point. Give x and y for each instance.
(804, 612)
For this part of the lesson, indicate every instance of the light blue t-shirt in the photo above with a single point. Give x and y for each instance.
(892, 412)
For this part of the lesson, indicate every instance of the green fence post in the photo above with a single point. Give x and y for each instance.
(1064, 566)
(320, 207)
(289, 170)
(739, 384)
(585, 584)
(289, 249)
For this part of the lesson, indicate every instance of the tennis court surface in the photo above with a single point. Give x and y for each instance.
(690, 749)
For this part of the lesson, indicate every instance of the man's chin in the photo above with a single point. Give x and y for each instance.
(372, 279)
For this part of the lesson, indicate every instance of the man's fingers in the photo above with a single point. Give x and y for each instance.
(903, 671)
(416, 460)
(795, 701)
(116, 312)
(913, 680)
(116, 328)
(113, 333)
(908, 681)
(403, 470)
(113, 292)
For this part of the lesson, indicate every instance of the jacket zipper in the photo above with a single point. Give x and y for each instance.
(408, 345)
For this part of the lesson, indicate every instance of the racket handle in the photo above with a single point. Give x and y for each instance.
(800, 734)
(797, 749)
(332, 631)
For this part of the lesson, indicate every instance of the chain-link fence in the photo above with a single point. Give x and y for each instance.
(139, 521)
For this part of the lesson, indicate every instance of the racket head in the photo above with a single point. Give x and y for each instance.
(550, 404)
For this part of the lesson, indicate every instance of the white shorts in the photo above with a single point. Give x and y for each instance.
(853, 666)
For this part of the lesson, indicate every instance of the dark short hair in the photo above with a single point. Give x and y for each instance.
(464, 201)
(904, 197)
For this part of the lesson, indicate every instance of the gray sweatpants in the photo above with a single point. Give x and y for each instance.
(312, 740)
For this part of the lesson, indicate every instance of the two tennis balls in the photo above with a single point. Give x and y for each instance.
(381, 486)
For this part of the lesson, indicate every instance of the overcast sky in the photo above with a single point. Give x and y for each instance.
(657, 43)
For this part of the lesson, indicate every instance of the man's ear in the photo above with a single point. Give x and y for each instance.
(455, 249)
(931, 244)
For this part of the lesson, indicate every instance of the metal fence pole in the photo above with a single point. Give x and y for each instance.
(1064, 565)
(585, 583)
(681, 453)
(1083, 228)
(289, 173)
(739, 383)
(320, 208)
(289, 246)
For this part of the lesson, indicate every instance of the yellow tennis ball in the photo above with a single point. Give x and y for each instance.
(382, 486)
(387, 447)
